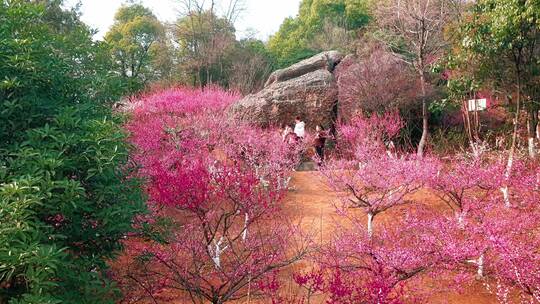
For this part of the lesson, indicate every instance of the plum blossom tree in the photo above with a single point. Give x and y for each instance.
(497, 238)
(363, 136)
(215, 179)
(356, 267)
(513, 238)
(516, 259)
(361, 264)
(377, 185)
(371, 176)
(465, 185)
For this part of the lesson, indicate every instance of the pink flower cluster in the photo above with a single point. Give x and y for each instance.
(219, 183)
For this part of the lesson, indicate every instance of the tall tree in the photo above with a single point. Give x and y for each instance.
(414, 31)
(134, 34)
(251, 65)
(498, 47)
(205, 40)
(206, 37)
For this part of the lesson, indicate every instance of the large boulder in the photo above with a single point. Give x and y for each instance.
(307, 89)
(325, 60)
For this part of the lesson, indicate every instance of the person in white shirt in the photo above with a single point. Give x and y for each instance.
(299, 128)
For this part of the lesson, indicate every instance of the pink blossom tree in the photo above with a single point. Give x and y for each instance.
(466, 185)
(497, 238)
(356, 267)
(219, 184)
(372, 176)
(512, 234)
(515, 265)
(364, 264)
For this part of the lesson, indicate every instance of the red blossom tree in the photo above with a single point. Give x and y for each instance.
(414, 31)
(465, 185)
(499, 239)
(219, 183)
(512, 234)
(356, 267)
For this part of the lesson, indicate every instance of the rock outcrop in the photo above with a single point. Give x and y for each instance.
(307, 89)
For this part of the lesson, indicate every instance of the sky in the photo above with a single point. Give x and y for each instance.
(261, 17)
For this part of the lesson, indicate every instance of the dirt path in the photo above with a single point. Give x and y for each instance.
(311, 201)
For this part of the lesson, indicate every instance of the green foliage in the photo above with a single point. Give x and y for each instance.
(448, 141)
(499, 43)
(499, 49)
(289, 45)
(293, 41)
(65, 199)
(136, 39)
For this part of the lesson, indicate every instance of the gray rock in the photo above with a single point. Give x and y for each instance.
(310, 96)
(307, 89)
(326, 60)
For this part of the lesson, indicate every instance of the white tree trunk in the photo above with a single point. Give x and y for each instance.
(504, 189)
(425, 115)
(461, 219)
(480, 263)
(391, 150)
(510, 164)
(244, 234)
(216, 251)
(506, 196)
(532, 147)
(480, 271)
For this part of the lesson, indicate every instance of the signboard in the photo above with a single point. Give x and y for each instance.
(477, 105)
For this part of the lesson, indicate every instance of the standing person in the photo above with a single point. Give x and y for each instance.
(283, 130)
(319, 142)
(289, 136)
(300, 128)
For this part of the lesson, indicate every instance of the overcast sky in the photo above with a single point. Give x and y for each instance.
(262, 16)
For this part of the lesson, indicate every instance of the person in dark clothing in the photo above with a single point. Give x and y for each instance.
(319, 142)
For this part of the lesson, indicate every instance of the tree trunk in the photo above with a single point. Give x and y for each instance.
(480, 264)
(537, 129)
(480, 271)
(423, 139)
(246, 221)
(532, 123)
(509, 165)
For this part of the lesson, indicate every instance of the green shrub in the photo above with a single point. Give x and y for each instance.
(66, 199)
